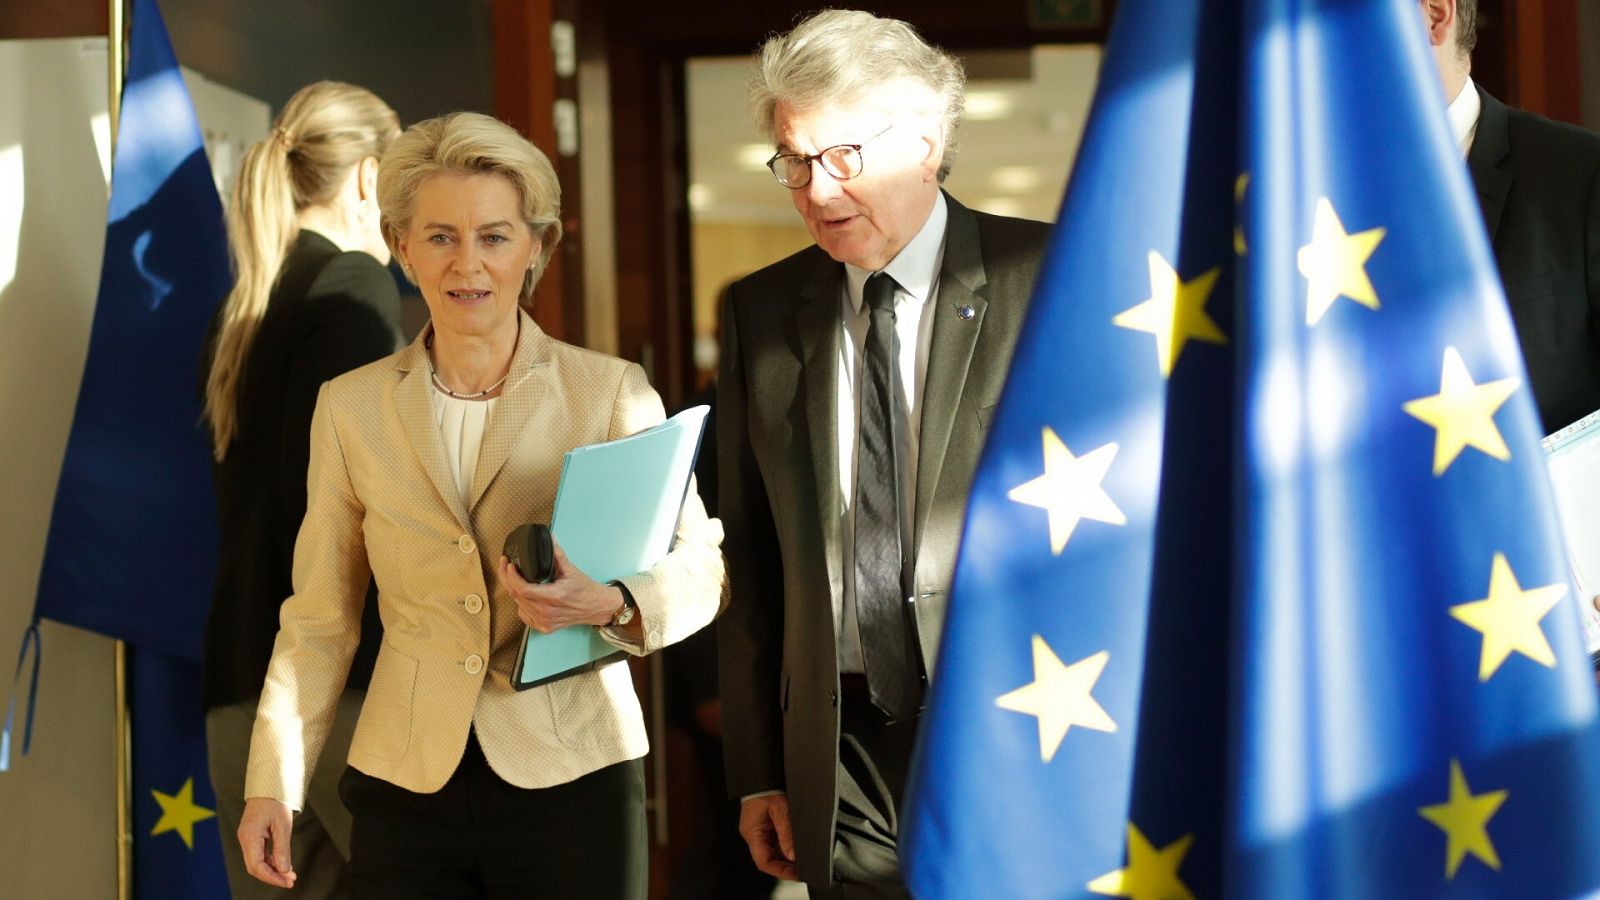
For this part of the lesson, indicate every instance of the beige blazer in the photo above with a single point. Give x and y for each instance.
(381, 499)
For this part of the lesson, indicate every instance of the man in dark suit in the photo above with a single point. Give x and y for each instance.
(1538, 183)
(856, 379)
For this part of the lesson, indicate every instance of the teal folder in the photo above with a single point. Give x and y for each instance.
(616, 513)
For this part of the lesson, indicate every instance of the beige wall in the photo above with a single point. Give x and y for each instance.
(724, 252)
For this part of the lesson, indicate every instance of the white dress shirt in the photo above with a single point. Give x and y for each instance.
(915, 270)
(1463, 113)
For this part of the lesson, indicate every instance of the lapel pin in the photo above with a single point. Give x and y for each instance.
(965, 312)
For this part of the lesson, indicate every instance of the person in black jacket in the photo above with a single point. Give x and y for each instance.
(1538, 185)
(313, 299)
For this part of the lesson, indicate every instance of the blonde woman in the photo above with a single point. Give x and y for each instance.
(421, 463)
(313, 299)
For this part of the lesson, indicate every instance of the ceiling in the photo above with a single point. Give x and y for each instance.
(1025, 113)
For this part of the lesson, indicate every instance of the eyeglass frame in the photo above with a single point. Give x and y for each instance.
(811, 159)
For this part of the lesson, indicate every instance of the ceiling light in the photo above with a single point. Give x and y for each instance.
(985, 106)
(1015, 179)
(753, 157)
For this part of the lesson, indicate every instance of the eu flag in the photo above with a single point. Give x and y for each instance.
(132, 546)
(1261, 592)
(132, 543)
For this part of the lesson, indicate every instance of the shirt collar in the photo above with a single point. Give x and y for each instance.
(1463, 113)
(916, 267)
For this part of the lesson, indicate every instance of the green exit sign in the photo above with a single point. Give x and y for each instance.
(1064, 14)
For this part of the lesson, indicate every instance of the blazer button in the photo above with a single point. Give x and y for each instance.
(474, 664)
(474, 604)
(465, 543)
(833, 698)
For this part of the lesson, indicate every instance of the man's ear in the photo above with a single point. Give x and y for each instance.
(933, 145)
(1439, 17)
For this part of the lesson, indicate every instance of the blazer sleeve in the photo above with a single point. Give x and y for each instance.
(319, 625)
(683, 593)
(750, 632)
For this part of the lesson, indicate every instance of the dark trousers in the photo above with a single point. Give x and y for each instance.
(874, 755)
(480, 837)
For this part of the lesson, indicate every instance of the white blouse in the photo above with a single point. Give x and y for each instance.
(461, 426)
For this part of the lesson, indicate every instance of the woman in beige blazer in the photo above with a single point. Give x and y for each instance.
(421, 463)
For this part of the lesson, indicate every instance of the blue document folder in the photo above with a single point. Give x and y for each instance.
(616, 513)
(1573, 454)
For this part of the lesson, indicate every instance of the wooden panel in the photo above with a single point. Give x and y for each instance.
(1543, 58)
(54, 18)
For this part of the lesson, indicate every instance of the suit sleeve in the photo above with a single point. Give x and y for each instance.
(319, 625)
(683, 593)
(750, 632)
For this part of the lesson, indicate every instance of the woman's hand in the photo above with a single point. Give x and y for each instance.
(570, 598)
(264, 838)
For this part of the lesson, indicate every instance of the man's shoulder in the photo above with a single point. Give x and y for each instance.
(1530, 132)
(790, 272)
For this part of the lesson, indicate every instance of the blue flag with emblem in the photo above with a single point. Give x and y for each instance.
(131, 549)
(1261, 592)
(132, 546)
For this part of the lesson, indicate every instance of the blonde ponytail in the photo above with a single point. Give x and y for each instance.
(324, 130)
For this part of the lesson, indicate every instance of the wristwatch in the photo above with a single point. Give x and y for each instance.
(628, 610)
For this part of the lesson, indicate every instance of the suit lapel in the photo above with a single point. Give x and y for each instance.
(514, 410)
(413, 397)
(1490, 147)
(961, 283)
(817, 324)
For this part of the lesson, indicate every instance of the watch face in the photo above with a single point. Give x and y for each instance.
(625, 616)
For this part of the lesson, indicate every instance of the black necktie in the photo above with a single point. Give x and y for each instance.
(881, 612)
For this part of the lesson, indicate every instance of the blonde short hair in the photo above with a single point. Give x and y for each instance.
(467, 143)
(840, 55)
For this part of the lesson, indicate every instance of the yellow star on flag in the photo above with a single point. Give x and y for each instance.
(1464, 819)
(179, 813)
(1240, 184)
(1175, 312)
(1509, 619)
(1335, 263)
(1151, 874)
(1059, 696)
(1463, 413)
(1069, 490)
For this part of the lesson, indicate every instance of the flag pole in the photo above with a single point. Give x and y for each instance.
(121, 732)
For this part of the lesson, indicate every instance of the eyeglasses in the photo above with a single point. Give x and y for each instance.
(842, 161)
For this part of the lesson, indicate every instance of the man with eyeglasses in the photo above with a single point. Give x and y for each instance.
(856, 380)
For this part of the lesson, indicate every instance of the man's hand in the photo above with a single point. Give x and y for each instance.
(764, 825)
(264, 838)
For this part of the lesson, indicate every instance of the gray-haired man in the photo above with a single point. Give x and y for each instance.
(856, 380)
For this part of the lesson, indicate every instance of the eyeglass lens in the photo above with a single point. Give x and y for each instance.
(842, 162)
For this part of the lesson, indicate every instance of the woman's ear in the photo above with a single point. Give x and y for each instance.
(367, 179)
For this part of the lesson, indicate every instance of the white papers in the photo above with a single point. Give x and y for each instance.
(1573, 454)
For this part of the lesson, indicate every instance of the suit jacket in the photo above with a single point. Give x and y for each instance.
(383, 501)
(780, 495)
(330, 312)
(1538, 183)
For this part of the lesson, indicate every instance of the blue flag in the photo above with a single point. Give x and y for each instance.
(132, 546)
(1261, 592)
(177, 852)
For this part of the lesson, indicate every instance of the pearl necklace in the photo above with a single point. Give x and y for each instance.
(428, 345)
(483, 393)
